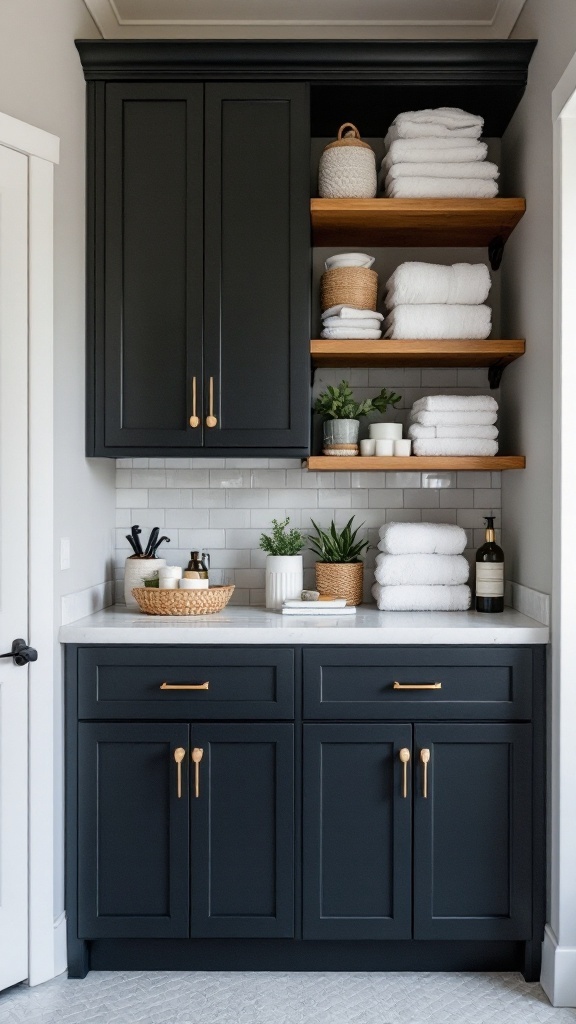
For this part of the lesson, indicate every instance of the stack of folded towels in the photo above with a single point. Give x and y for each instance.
(425, 300)
(346, 322)
(437, 153)
(454, 425)
(421, 568)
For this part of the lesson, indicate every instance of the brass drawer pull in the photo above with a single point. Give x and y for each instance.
(211, 420)
(417, 686)
(404, 756)
(425, 757)
(197, 755)
(185, 686)
(194, 419)
(179, 755)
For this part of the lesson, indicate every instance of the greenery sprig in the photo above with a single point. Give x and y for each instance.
(339, 404)
(282, 541)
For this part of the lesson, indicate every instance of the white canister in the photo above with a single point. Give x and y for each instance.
(367, 446)
(384, 447)
(347, 167)
(385, 431)
(169, 576)
(136, 571)
(403, 447)
(284, 579)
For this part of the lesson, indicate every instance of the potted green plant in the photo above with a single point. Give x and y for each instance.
(342, 415)
(284, 568)
(339, 570)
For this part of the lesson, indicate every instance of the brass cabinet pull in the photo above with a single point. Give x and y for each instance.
(197, 755)
(194, 419)
(404, 756)
(211, 420)
(185, 686)
(425, 757)
(179, 755)
(417, 686)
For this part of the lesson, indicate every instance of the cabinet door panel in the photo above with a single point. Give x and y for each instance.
(472, 834)
(357, 842)
(257, 270)
(242, 826)
(153, 263)
(132, 831)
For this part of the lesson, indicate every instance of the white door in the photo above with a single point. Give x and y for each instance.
(13, 565)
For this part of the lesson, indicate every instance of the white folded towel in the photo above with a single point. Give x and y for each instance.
(437, 169)
(400, 570)
(413, 283)
(455, 446)
(434, 151)
(349, 313)
(449, 419)
(447, 117)
(416, 431)
(456, 403)
(313, 610)
(441, 188)
(367, 324)
(438, 320)
(343, 333)
(416, 130)
(422, 599)
(422, 538)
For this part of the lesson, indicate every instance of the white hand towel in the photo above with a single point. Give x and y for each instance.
(349, 313)
(456, 403)
(366, 324)
(441, 188)
(437, 169)
(434, 151)
(450, 419)
(448, 117)
(431, 570)
(343, 333)
(416, 431)
(414, 283)
(315, 611)
(422, 599)
(415, 130)
(437, 320)
(455, 446)
(422, 538)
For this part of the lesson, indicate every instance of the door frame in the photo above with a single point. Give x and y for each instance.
(42, 150)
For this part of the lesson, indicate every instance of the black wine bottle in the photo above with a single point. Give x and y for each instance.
(490, 573)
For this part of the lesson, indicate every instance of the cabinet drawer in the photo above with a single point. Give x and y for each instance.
(209, 683)
(475, 682)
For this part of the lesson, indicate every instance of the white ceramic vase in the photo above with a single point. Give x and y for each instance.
(341, 431)
(284, 579)
(136, 571)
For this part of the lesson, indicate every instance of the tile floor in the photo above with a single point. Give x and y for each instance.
(276, 998)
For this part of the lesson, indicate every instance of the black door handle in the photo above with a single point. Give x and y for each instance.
(21, 653)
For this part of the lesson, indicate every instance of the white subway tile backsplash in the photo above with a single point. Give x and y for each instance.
(290, 497)
(156, 463)
(382, 498)
(485, 498)
(456, 498)
(229, 478)
(420, 498)
(403, 480)
(468, 478)
(148, 478)
(123, 478)
(338, 498)
(208, 498)
(131, 498)
(230, 558)
(187, 518)
(243, 538)
(229, 517)
(439, 377)
(247, 498)
(270, 478)
(201, 539)
(187, 478)
(367, 478)
(246, 463)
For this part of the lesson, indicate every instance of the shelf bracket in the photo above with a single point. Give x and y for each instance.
(495, 374)
(496, 251)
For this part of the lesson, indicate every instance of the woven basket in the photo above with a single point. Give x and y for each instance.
(341, 579)
(154, 601)
(347, 167)
(349, 286)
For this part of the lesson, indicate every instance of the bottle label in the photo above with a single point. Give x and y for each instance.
(489, 579)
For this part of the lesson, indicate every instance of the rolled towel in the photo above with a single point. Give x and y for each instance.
(414, 283)
(416, 431)
(455, 446)
(415, 130)
(343, 333)
(456, 403)
(434, 151)
(447, 117)
(400, 570)
(367, 324)
(422, 539)
(441, 188)
(438, 320)
(440, 169)
(349, 313)
(422, 599)
(450, 419)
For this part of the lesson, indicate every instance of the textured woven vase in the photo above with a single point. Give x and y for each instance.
(341, 579)
(347, 167)
(349, 286)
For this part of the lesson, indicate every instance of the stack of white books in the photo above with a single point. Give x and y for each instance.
(337, 606)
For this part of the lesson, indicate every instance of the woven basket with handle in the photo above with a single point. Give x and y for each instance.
(347, 167)
(341, 579)
(351, 286)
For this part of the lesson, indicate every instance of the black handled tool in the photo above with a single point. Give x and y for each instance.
(158, 543)
(135, 531)
(131, 542)
(151, 542)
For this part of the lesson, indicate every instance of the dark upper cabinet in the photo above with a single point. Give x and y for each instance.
(198, 256)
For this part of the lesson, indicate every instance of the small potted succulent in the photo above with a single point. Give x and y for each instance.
(342, 416)
(339, 569)
(284, 568)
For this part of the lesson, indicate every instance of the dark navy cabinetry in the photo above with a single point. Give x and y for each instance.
(392, 795)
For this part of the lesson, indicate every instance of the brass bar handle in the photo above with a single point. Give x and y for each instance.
(197, 755)
(179, 755)
(185, 686)
(194, 419)
(404, 756)
(417, 686)
(425, 757)
(211, 420)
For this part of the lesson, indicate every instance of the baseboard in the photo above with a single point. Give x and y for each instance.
(60, 957)
(85, 602)
(558, 978)
(530, 602)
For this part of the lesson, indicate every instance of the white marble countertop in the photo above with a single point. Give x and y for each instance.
(238, 625)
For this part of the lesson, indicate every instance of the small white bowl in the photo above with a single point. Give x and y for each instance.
(349, 259)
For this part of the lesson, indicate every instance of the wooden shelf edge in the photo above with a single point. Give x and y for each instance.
(414, 463)
(415, 352)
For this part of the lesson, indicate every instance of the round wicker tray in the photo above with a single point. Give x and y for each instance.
(154, 601)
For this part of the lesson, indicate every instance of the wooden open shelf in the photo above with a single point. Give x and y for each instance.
(423, 222)
(414, 463)
(416, 352)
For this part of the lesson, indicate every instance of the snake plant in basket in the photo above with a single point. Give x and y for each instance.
(339, 571)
